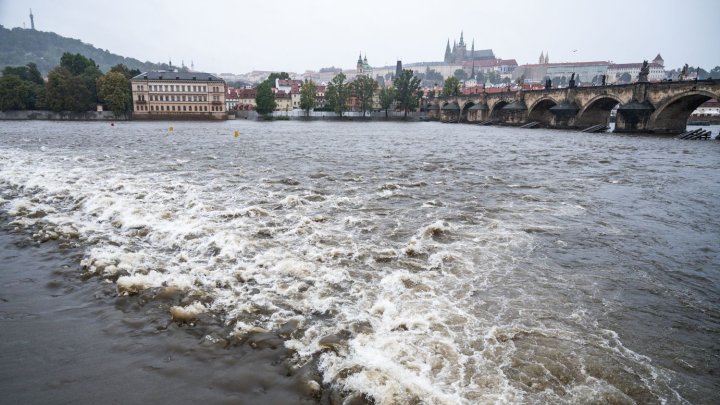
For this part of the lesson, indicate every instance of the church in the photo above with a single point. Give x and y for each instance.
(459, 53)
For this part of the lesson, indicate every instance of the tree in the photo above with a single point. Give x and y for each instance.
(273, 76)
(17, 94)
(451, 87)
(20, 87)
(127, 72)
(433, 75)
(114, 91)
(702, 74)
(480, 77)
(337, 94)
(77, 64)
(66, 92)
(460, 74)
(715, 72)
(407, 86)
(624, 78)
(28, 73)
(494, 77)
(364, 88)
(307, 96)
(264, 98)
(387, 97)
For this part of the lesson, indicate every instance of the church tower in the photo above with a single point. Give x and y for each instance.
(547, 58)
(462, 49)
(448, 54)
(541, 59)
(360, 64)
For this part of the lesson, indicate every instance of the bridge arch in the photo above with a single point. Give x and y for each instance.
(465, 110)
(597, 110)
(496, 109)
(671, 116)
(540, 110)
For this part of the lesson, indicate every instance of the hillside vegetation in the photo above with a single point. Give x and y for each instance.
(19, 46)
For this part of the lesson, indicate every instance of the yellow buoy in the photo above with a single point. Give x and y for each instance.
(237, 133)
(171, 129)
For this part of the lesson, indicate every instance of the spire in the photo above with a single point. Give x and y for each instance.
(32, 21)
(462, 42)
(448, 55)
(547, 57)
(360, 57)
(541, 59)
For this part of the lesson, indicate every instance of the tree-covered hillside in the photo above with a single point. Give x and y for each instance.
(19, 46)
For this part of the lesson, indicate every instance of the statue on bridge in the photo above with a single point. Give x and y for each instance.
(683, 73)
(548, 84)
(571, 82)
(603, 78)
(644, 72)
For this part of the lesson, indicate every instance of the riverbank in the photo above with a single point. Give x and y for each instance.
(42, 115)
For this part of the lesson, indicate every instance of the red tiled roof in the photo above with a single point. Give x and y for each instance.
(246, 93)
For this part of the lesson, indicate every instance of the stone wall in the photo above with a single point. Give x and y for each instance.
(63, 116)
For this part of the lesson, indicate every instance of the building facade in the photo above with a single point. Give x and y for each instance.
(616, 72)
(178, 95)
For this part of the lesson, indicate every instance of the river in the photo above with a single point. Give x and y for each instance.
(305, 262)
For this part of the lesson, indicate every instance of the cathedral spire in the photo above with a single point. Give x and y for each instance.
(462, 42)
(448, 54)
(541, 59)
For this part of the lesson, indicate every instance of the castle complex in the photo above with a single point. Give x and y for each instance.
(459, 53)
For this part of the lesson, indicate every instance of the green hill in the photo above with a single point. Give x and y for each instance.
(20, 46)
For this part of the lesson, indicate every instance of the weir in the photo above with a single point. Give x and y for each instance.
(643, 107)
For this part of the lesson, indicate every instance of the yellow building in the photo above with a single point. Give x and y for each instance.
(178, 95)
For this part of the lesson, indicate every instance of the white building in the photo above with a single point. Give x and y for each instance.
(170, 95)
(617, 70)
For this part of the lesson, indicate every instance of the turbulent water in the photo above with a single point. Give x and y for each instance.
(402, 262)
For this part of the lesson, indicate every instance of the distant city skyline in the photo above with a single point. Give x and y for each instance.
(231, 37)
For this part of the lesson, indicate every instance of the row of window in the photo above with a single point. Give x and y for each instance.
(185, 108)
(172, 97)
(179, 88)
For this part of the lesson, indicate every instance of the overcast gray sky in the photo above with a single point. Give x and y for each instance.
(240, 36)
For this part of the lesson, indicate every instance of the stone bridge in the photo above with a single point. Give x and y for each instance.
(659, 107)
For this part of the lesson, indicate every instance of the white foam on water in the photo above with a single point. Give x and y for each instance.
(440, 316)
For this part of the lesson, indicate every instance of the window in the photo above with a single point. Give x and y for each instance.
(173, 108)
(183, 108)
(162, 108)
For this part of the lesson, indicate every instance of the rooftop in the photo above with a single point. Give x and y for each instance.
(163, 75)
